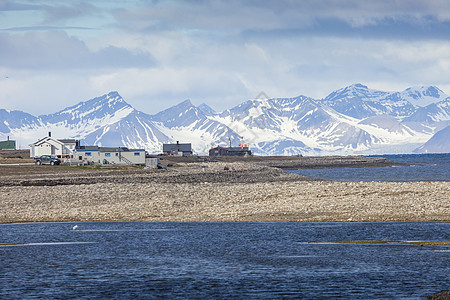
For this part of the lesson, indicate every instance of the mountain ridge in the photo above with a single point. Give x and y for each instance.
(351, 120)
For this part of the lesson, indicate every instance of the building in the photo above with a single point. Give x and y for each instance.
(49, 146)
(230, 151)
(109, 155)
(8, 145)
(71, 152)
(177, 149)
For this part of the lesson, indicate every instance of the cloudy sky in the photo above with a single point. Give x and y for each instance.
(55, 53)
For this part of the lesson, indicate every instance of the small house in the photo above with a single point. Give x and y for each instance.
(50, 146)
(177, 149)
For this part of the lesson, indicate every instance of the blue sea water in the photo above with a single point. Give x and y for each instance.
(422, 167)
(123, 260)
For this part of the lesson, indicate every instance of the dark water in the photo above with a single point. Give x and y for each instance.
(221, 261)
(424, 167)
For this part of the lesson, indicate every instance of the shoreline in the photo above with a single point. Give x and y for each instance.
(238, 191)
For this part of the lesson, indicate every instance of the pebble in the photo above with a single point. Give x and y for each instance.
(245, 192)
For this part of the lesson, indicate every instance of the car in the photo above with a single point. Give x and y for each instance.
(47, 159)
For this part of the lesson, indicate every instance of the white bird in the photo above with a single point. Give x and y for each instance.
(75, 227)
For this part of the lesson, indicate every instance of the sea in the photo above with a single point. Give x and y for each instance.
(136, 260)
(421, 167)
(248, 260)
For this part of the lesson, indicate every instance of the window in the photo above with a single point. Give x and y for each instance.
(107, 154)
(88, 154)
(137, 153)
(117, 154)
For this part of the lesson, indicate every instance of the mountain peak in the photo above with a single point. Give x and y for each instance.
(114, 95)
(358, 86)
(180, 114)
(356, 90)
(421, 96)
(109, 106)
(206, 109)
(186, 102)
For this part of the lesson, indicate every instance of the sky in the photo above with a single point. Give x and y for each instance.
(156, 54)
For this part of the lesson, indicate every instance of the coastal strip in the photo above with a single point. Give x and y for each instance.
(211, 192)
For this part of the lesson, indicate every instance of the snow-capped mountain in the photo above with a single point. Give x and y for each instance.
(187, 123)
(106, 121)
(294, 125)
(360, 102)
(423, 95)
(206, 109)
(430, 118)
(351, 120)
(11, 119)
(439, 143)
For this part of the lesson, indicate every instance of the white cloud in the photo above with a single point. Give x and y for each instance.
(156, 54)
(43, 50)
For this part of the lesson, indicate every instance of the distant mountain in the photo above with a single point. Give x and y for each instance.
(351, 120)
(14, 119)
(423, 95)
(136, 130)
(430, 118)
(360, 102)
(207, 110)
(438, 143)
(185, 122)
(295, 125)
(388, 123)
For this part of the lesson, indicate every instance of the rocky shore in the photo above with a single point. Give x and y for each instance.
(219, 191)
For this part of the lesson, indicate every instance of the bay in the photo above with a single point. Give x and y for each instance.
(121, 260)
(421, 167)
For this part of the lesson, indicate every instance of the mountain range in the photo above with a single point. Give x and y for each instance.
(351, 120)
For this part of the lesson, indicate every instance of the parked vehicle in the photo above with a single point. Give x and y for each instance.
(47, 159)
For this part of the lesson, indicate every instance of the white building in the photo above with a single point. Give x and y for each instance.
(110, 155)
(49, 146)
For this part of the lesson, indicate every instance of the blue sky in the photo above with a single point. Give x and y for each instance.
(158, 53)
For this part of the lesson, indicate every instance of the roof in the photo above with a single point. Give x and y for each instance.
(177, 147)
(219, 147)
(69, 141)
(61, 141)
(231, 148)
(43, 140)
(106, 149)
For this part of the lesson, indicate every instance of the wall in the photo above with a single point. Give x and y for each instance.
(112, 157)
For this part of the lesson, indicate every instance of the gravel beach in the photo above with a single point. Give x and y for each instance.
(209, 192)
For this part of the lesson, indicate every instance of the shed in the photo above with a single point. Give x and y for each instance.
(8, 145)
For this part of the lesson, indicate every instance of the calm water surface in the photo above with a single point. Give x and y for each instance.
(221, 260)
(423, 167)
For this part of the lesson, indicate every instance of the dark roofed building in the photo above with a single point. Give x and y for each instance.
(8, 145)
(230, 151)
(178, 149)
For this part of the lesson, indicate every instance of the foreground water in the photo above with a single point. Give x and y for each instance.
(422, 167)
(221, 260)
